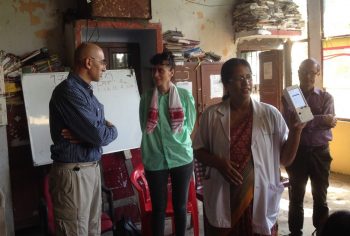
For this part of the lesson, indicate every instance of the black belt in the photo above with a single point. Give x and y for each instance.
(313, 148)
(75, 166)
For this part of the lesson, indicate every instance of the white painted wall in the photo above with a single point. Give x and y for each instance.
(210, 22)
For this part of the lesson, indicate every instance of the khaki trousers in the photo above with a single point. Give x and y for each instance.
(2, 215)
(76, 195)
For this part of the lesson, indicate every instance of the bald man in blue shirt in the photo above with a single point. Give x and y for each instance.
(78, 130)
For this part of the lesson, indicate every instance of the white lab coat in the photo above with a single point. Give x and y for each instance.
(269, 134)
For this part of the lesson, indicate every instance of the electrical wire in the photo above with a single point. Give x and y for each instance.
(207, 5)
(93, 32)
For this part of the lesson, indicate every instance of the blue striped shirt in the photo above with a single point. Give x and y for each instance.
(73, 106)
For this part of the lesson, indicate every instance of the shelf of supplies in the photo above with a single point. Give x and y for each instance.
(263, 33)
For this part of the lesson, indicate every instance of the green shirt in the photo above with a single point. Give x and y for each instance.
(164, 149)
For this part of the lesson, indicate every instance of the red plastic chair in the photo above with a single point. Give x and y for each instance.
(139, 181)
(47, 216)
(198, 174)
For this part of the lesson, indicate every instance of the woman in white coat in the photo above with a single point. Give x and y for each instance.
(242, 143)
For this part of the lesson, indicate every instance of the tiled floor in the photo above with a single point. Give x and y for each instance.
(338, 198)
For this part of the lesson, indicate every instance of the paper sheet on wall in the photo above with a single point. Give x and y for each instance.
(216, 88)
(268, 70)
(185, 84)
(3, 111)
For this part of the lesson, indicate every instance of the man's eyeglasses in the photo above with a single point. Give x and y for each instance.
(102, 62)
(247, 78)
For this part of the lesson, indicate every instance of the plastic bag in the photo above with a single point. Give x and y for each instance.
(125, 227)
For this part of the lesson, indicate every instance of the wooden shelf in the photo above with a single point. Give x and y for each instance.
(263, 33)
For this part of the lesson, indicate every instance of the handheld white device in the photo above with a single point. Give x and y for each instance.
(296, 99)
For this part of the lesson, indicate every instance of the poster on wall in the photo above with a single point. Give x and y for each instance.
(185, 85)
(216, 88)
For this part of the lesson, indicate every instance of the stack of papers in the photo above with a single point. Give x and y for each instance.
(37, 61)
(175, 42)
(185, 49)
(267, 14)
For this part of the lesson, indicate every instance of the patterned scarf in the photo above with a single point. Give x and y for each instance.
(175, 111)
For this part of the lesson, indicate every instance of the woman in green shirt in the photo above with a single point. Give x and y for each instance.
(167, 117)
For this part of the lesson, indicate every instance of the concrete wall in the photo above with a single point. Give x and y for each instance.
(315, 36)
(27, 25)
(207, 21)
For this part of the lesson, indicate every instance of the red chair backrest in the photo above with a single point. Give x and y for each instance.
(139, 181)
(48, 200)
